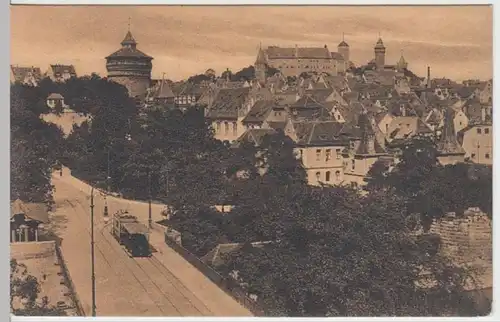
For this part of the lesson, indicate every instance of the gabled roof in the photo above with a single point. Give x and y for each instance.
(259, 111)
(318, 133)
(320, 95)
(308, 108)
(274, 52)
(337, 82)
(228, 102)
(62, 69)
(20, 73)
(255, 136)
(277, 125)
(404, 127)
(35, 211)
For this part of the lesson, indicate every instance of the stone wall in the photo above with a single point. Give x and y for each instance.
(466, 239)
(29, 250)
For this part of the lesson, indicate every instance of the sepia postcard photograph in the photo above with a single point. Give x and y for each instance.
(251, 161)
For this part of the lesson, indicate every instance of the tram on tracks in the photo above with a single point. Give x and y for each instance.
(132, 234)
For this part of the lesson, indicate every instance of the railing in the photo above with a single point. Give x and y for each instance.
(229, 285)
(71, 286)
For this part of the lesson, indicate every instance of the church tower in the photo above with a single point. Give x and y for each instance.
(448, 148)
(380, 54)
(130, 67)
(343, 49)
(402, 64)
(260, 66)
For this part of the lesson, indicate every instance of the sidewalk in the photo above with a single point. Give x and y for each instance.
(205, 290)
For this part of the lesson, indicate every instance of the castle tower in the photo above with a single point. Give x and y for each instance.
(260, 66)
(448, 148)
(130, 67)
(343, 49)
(402, 64)
(379, 54)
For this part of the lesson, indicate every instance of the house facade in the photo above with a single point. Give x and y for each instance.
(61, 73)
(319, 146)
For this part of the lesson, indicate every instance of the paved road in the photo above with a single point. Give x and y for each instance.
(163, 285)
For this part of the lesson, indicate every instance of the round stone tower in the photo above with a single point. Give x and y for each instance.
(130, 67)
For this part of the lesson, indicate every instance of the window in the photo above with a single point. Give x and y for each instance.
(301, 153)
(327, 176)
(226, 127)
(275, 113)
(387, 128)
(235, 128)
(328, 154)
(353, 164)
(478, 131)
(487, 155)
(318, 154)
(318, 175)
(337, 175)
(338, 117)
(473, 156)
(218, 127)
(338, 153)
(486, 131)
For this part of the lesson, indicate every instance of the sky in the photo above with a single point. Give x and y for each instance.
(455, 41)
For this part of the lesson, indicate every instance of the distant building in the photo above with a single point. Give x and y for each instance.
(295, 61)
(61, 73)
(130, 67)
(364, 152)
(25, 75)
(230, 107)
(55, 100)
(477, 138)
(449, 149)
(319, 145)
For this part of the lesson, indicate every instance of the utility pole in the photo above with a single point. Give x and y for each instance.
(92, 249)
(149, 198)
(107, 191)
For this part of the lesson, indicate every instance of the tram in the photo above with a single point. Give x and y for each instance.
(132, 234)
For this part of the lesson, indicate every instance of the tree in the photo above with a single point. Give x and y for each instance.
(36, 147)
(197, 79)
(431, 190)
(26, 288)
(271, 71)
(347, 255)
(247, 73)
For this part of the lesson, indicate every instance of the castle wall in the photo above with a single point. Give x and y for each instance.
(136, 86)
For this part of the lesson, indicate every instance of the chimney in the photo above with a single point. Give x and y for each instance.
(428, 76)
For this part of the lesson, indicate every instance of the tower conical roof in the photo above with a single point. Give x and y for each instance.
(129, 39)
(369, 144)
(261, 57)
(380, 44)
(164, 90)
(343, 44)
(448, 143)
